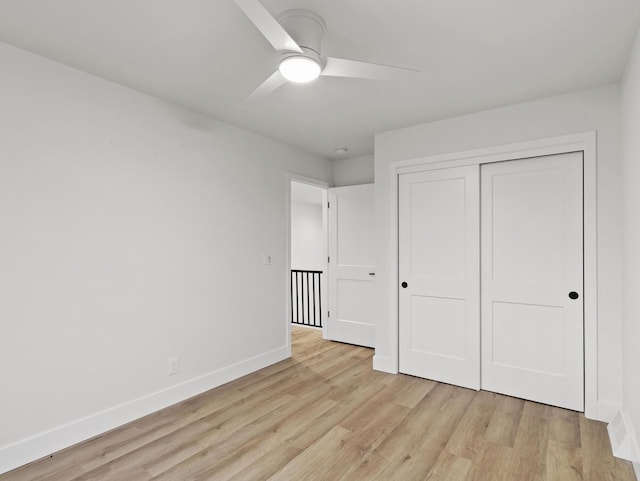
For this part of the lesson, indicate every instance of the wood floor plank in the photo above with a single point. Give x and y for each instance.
(46, 468)
(219, 433)
(325, 414)
(263, 437)
(378, 428)
(491, 464)
(368, 468)
(328, 455)
(266, 466)
(416, 444)
(413, 390)
(346, 404)
(265, 444)
(564, 428)
(361, 417)
(538, 410)
(563, 462)
(449, 467)
(504, 423)
(65, 474)
(132, 460)
(467, 439)
(529, 450)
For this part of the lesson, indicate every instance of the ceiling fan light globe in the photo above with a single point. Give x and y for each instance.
(299, 69)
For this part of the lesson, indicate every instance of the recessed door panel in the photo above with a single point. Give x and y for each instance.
(526, 217)
(428, 314)
(354, 223)
(448, 239)
(518, 331)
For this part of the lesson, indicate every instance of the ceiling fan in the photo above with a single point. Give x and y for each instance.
(296, 35)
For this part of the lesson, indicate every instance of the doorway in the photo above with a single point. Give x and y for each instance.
(330, 281)
(307, 296)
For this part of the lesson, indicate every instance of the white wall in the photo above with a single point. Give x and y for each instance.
(596, 109)
(631, 240)
(307, 237)
(131, 231)
(354, 171)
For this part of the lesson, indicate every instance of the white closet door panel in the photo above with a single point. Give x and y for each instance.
(532, 242)
(352, 265)
(439, 262)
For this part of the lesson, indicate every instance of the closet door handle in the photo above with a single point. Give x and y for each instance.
(573, 295)
(404, 285)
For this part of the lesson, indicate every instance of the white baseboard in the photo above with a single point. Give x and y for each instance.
(46, 443)
(623, 438)
(384, 364)
(606, 411)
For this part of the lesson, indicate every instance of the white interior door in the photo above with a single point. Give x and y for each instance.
(532, 259)
(351, 265)
(439, 263)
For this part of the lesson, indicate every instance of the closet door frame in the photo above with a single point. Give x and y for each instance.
(581, 142)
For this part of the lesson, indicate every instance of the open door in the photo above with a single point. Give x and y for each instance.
(351, 265)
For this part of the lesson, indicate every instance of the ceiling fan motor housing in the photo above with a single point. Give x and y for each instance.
(306, 28)
(297, 36)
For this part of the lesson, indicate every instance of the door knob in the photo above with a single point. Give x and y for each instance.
(573, 295)
(404, 285)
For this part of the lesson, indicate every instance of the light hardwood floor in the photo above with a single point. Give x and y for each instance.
(325, 415)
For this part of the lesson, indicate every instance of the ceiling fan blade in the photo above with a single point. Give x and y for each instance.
(274, 82)
(268, 26)
(340, 67)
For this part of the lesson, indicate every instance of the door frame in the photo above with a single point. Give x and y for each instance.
(290, 177)
(584, 142)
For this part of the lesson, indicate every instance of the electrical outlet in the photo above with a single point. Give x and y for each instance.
(174, 365)
(267, 260)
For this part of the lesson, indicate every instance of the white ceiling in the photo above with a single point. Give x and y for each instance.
(207, 56)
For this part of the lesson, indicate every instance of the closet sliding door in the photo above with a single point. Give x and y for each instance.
(532, 279)
(439, 262)
(490, 267)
